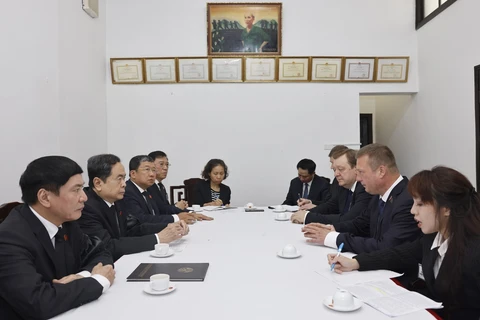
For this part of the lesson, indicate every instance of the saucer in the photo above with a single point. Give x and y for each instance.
(282, 219)
(171, 287)
(356, 304)
(280, 254)
(281, 210)
(169, 253)
(198, 210)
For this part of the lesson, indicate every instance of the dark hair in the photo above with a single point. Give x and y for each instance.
(378, 155)
(100, 166)
(49, 173)
(335, 150)
(212, 164)
(157, 154)
(137, 160)
(351, 156)
(307, 164)
(444, 187)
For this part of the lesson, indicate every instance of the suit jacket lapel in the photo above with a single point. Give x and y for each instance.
(389, 203)
(342, 198)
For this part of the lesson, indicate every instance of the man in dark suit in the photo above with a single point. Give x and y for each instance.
(138, 200)
(307, 185)
(348, 200)
(47, 265)
(387, 221)
(159, 193)
(105, 216)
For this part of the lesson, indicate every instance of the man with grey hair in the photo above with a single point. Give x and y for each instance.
(387, 221)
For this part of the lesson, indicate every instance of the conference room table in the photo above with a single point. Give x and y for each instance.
(245, 280)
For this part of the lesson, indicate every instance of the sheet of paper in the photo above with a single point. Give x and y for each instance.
(290, 208)
(351, 278)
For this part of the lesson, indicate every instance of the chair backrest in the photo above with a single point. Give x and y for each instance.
(190, 189)
(179, 194)
(6, 208)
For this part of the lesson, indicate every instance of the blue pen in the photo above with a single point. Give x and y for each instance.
(338, 253)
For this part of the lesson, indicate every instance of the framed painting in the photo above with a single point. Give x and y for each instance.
(245, 28)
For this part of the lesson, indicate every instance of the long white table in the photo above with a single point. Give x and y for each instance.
(245, 280)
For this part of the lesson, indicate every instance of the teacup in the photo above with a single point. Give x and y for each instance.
(281, 215)
(159, 281)
(279, 208)
(196, 207)
(289, 251)
(342, 299)
(161, 248)
(249, 205)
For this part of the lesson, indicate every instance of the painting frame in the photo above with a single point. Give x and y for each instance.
(293, 69)
(327, 69)
(249, 28)
(359, 69)
(254, 72)
(231, 72)
(198, 70)
(157, 75)
(120, 74)
(392, 69)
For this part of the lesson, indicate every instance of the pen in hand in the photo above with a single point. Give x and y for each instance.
(338, 253)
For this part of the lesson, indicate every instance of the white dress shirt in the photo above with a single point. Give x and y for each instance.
(442, 245)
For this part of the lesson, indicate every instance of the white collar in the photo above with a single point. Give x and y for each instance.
(441, 243)
(354, 186)
(387, 193)
(51, 228)
(108, 203)
(136, 185)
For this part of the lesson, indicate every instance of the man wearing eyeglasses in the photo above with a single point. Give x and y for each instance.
(159, 194)
(138, 199)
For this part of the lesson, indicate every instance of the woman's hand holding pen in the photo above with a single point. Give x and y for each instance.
(342, 263)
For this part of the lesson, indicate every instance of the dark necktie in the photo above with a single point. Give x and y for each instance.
(147, 200)
(381, 206)
(305, 191)
(163, 191)
(113, 211)
(60, 245)
(348, 202)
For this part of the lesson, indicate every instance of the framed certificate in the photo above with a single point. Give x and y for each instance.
(359, 69)
(226, 69)
(260, 69)
(160, 70)
(326, 69)
(293, 68)
(126, 70)
(392, 69)
(193, 69)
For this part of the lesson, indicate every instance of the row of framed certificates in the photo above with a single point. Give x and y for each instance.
(258, 69)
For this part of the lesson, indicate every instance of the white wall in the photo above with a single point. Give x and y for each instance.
(53, 54)
(260, 130)
(440, 127)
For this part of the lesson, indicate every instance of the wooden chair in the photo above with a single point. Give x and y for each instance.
(6, 208)
(179, 194)
(190, 189)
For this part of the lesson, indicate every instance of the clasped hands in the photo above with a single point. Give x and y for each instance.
(317, 232)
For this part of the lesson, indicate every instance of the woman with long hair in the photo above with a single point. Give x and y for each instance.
(447, 209)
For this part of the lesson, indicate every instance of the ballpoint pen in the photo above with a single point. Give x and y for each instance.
(299, 197)
(338, 253)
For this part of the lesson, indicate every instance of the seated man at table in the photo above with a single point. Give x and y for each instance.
(138, 200)
(159, 193)
(386, 222)
(307, 185)
(104, 214)
(349, 198)
(47, 265)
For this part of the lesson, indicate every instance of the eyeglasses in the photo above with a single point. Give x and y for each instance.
(148, 170)
(164, 164)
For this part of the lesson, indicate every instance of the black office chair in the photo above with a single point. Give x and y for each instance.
(6, 208)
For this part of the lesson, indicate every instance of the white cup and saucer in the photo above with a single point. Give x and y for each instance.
(159, 284)
(281, 216)
(162, 250)
(342, 301)
(249, 206)
(289, 252)
(279, 208)
(196, 208)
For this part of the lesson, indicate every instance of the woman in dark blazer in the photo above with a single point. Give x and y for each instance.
(447, 209)
(212, 192)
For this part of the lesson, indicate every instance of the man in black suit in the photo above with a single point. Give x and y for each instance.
(159, 193)
(348, 200)
(138, 200)
(47, 265)
(386, 222)
(106, 217)
(307, 185)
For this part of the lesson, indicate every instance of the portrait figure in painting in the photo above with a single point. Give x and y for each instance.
(244, 28)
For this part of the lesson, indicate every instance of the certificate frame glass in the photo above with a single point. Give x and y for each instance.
(226, 69)
(359, 69)
(193, 69)
(260, 69)
(160, 70)
(326, 69)
(226, 23)
(392, 69)
(127, 70)
(293, 69)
